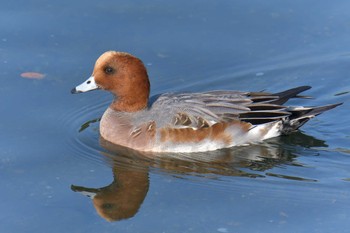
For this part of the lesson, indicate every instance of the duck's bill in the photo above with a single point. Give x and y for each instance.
(88, 85)
(89, 192)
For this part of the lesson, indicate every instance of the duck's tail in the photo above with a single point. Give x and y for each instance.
(284, 96)
(300, 115)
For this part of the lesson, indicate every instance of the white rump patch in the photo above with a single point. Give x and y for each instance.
(265, 131)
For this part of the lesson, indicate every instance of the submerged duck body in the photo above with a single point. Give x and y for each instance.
(187, 122)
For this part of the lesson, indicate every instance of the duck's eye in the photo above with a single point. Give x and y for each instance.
(107, 206)
(109, 70)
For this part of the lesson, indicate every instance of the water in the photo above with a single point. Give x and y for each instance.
(50, 148)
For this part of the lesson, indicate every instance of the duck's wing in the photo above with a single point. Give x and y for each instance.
(198, 110)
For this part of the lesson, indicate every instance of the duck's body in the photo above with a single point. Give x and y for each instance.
(187, 122)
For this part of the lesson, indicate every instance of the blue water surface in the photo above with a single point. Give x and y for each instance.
(58, 176)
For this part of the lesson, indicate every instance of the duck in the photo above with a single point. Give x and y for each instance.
(188, 122)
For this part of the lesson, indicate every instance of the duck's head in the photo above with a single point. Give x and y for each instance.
(123, 75)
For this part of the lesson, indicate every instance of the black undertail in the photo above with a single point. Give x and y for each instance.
(268, 107)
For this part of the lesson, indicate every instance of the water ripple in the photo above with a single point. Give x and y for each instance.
(83, 127)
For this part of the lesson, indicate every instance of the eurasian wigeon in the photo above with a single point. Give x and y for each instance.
(187, 122)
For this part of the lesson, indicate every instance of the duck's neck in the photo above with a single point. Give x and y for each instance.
(124, 104)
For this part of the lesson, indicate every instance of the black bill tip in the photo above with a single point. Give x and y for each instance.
(75, 91)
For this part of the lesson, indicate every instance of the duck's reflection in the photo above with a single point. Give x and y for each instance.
(124, 196)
